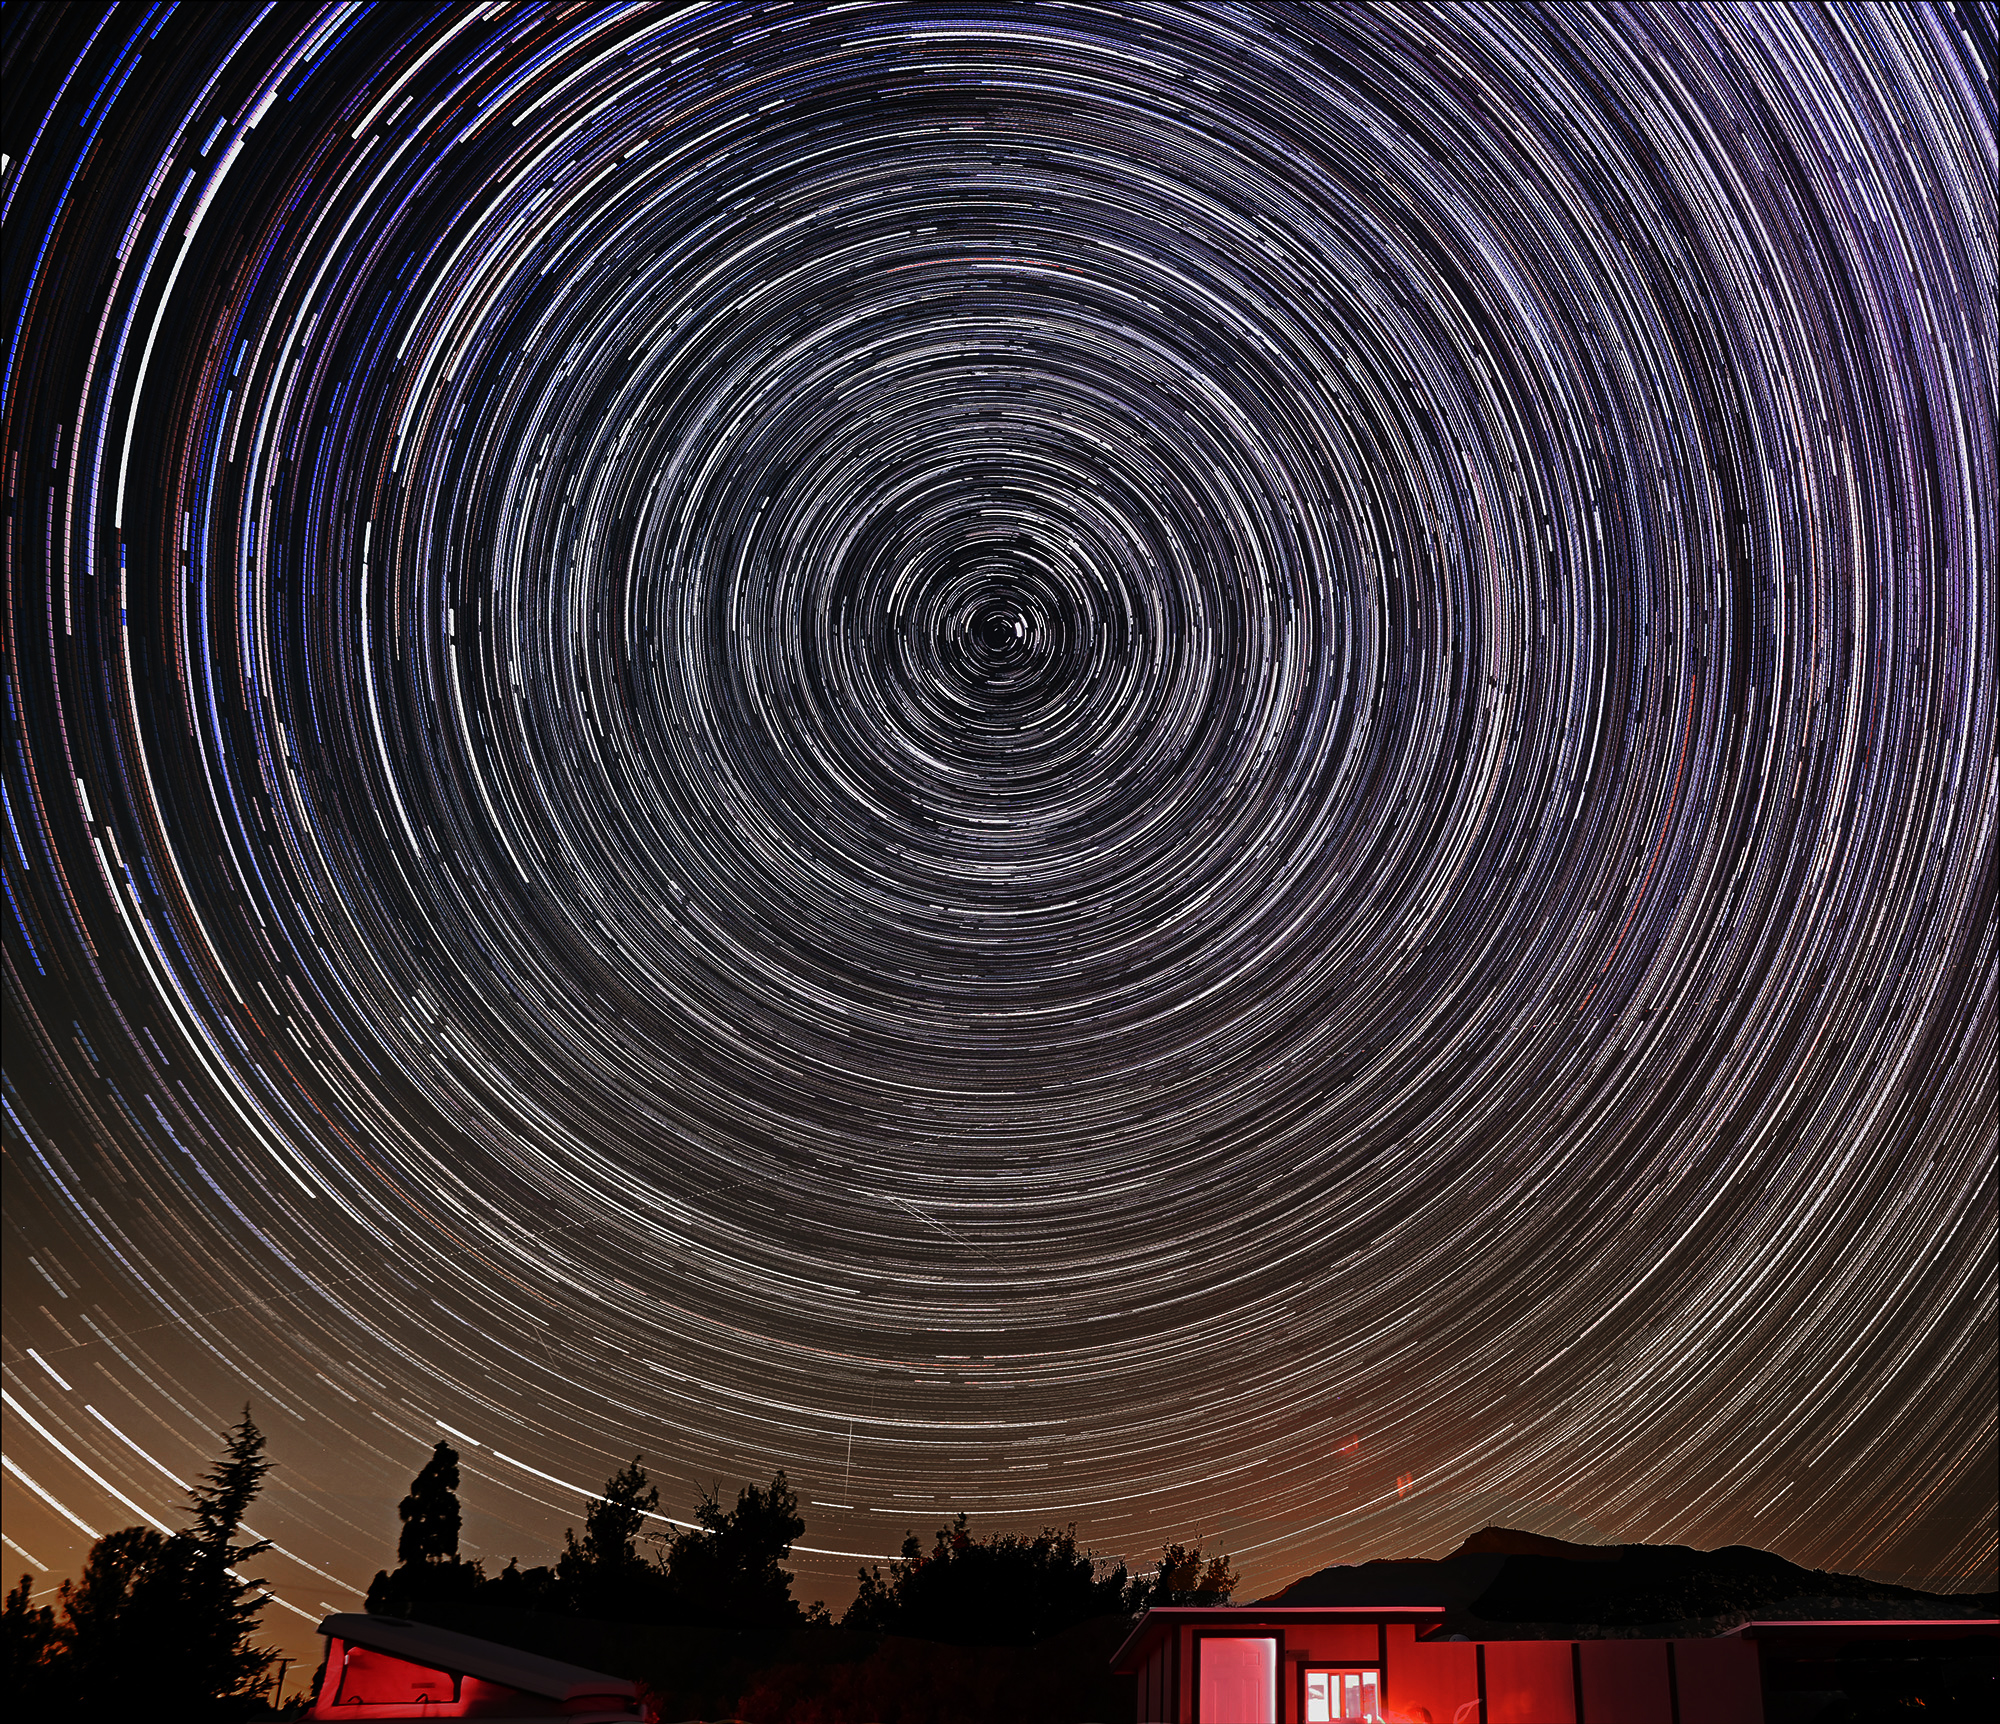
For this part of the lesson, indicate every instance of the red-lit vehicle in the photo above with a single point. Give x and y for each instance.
(385, 1667)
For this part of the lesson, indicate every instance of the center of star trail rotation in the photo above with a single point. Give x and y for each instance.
(1143, 765)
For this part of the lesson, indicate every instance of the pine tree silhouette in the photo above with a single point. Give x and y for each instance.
(427, 1564)
(430, 1512)
(158, 1625)
(224, 1603)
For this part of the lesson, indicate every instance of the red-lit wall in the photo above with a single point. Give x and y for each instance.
(1530, 1682)
(1524, 1681)
(1719, 1682)
(1625, 1682)
(1156, 1685)
(1538, 1681)
(1333, 1642)
(1431, 1681)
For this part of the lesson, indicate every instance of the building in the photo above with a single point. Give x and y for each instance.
(1313, 1664)
(385, 1667)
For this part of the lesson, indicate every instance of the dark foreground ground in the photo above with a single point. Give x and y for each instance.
(830, 1675)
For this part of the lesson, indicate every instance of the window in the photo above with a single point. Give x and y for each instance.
(1332, 1694)
(1239, 1679)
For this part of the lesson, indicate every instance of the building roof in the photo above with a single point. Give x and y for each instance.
(1790, 1632)
(1793, 1631)
(1166, 1618)
(464, 1655)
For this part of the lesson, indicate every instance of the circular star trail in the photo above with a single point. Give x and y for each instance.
(1226, 771)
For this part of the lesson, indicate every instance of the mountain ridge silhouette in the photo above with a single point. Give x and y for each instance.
(1507, 1579)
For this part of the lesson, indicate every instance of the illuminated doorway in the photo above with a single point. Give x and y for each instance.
(1236, 1679)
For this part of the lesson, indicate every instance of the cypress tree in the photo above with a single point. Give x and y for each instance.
(430, 1512)
(427, 1564)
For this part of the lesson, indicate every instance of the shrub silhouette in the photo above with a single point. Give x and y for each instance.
(731, 1571)
(1003, 1590)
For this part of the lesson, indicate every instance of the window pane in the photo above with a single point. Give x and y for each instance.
(1239, 1681)
(1336, 1695)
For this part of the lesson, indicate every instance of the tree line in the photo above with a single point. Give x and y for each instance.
(163, 1624)
(727, 1569)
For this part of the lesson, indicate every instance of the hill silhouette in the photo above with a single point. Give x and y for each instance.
(1503, 1580)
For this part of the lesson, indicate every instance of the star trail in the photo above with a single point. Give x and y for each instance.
(1222, 771)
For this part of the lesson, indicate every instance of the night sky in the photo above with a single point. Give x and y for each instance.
(1222, 771)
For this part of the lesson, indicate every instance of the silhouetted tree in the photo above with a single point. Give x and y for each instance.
(731, 1571)
(430, 1512)
(124, 1617)
(727, 1570)
(220, 1664)
(32, 1654)
(604, 1573)
(518, 1588)
(159, 1624)
(1182, 1577)
(999, 1591)
(427, 1562)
